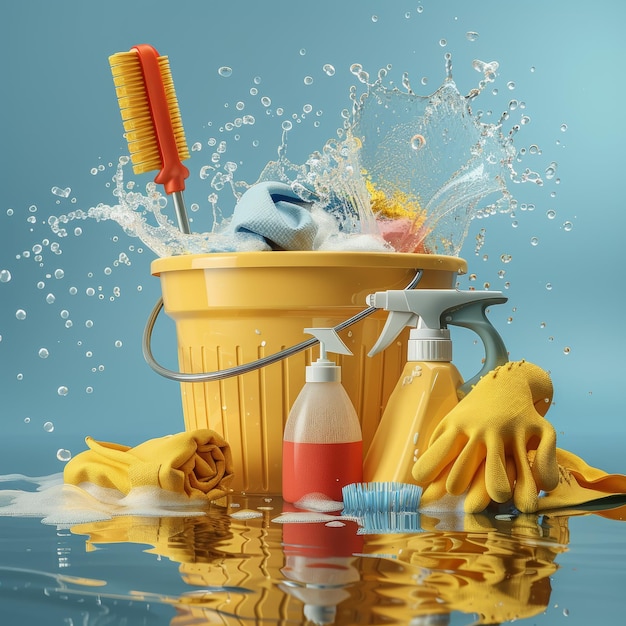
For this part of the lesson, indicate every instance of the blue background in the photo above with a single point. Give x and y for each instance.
(61, 120)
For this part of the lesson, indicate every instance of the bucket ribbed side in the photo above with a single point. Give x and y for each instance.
(250, 411)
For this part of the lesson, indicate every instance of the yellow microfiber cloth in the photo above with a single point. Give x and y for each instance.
(497, 446)
(579, 483)
(196, 463)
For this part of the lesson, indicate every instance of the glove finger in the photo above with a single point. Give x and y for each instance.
(437, 457)
(463, 470)
(477, 498)
(497, 480)
(525, 492)
(434, 492)
(545, 467)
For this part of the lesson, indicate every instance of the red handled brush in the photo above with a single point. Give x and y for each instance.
(152, 121)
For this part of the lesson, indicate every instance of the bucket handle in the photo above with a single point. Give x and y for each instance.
(244, 368)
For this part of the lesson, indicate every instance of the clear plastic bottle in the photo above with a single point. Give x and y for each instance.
(322, 444)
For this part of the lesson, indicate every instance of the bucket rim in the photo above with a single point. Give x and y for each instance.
(308, 258)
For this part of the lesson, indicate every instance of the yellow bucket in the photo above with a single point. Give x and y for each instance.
(234, 308)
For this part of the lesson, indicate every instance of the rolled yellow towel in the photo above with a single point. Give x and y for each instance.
(196, 463)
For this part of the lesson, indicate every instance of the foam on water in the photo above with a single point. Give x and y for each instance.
(65, 505)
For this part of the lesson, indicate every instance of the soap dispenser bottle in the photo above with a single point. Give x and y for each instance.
(430, 385)
(322, 443)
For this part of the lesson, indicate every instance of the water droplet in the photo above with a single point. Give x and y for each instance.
(509, 320)
(302, 51)
(417, 142)
(90, 291)
(59, 273)
(563, 127)
(48, 427)
(43, 353)
(225, 71)
(196, 147)
(308, 80)
(506, 258)
(286, 125)
(329, 69)
(20, 314)
(63, 193)
(511, 85)
(551, 170)
(50, 298)
(27, 420)
(551, 213)
(64, 455)
(64, 314)
(567, 226)
(443, 43)
(471, 35)
(534, 241)
(567, 350)
(424, 80)
(542, 325)
(78, 231)
(5, 276)
(265, 101)
(88, 389)
(118, 344)
(549, 286)
(89, 324)
(63, 390)
(374, 18)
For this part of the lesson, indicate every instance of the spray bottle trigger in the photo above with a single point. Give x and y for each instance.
(329, 341)
(395, 323)
(473, 316)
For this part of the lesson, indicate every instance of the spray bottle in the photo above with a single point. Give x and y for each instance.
(430, 385)
(322, 444)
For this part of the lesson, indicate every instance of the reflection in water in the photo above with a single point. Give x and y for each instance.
(491, 568)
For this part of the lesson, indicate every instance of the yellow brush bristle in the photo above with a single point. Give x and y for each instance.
(134, 106)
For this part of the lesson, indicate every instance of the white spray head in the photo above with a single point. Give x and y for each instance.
(324, 370)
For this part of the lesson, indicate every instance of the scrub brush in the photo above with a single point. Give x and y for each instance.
(152, 120)
(383, 507)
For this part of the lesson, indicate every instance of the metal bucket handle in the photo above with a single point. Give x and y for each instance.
(202, 377)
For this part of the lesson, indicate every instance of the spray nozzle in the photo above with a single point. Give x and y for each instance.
(430, 312)
(324, 370)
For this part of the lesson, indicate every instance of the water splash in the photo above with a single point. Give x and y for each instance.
(406, 173)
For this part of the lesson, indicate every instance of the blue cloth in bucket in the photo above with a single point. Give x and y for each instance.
(274, 213)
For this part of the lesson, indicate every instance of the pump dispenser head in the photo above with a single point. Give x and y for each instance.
(324, 370)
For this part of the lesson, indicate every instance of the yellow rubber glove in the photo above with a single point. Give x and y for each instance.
(481, 446)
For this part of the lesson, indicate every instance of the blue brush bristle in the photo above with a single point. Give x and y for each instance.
(360, 499)
(387, 522)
